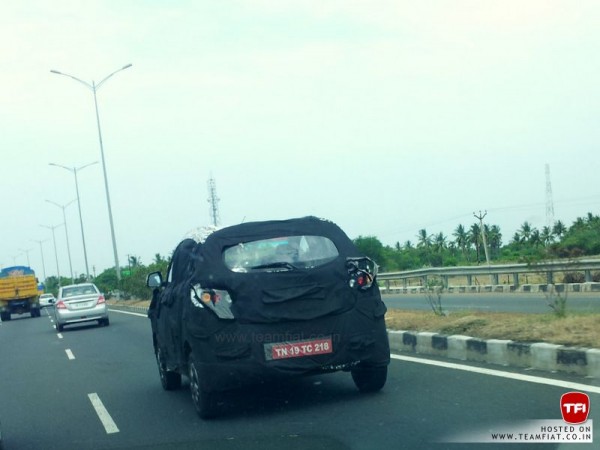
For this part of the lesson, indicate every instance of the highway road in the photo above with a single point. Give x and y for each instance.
(492, 302)
(94, 387)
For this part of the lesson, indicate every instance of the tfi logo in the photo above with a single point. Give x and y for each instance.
(575, 407)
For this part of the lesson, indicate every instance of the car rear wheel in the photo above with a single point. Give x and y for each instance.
(369, 379)
(5, 317)
(104, 322)
(204, 402)
(170, 380)
(59, 327)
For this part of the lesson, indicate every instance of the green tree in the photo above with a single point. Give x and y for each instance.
(525, 231)
(461, 239)
(494, 240)
(559, 229)
(474, 237)
(371, 247)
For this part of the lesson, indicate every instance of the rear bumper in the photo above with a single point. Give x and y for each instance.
(65, 316)
(240, 354)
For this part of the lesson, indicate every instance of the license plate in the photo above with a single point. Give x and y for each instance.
(80, 305)
(297, 349)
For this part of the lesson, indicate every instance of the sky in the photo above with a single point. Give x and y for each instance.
(383, 116)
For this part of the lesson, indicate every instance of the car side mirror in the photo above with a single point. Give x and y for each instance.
(51, 301)
(154, 280)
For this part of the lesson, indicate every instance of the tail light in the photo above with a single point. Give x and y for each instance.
(101, 299)
(60, 305)
(362, 272)
(218, 301)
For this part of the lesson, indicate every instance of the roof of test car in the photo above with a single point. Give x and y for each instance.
(249, 231)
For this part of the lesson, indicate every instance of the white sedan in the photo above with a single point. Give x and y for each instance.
(46, 300)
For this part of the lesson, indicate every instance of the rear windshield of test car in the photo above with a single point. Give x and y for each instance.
(285, 253)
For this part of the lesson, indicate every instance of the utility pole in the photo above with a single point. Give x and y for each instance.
(485, 248)
(213, 200)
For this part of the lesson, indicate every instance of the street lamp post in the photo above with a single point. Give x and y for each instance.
(42, 253)
(63, 207)
(27, 253)
(50, 227)
(94, 88)
(74, 171)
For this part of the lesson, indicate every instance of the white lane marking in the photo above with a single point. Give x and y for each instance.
(109, 425)
(128, 312)
(69, 353)
(60, 336)
(499, 373)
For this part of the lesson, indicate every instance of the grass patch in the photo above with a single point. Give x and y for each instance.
(574, 330)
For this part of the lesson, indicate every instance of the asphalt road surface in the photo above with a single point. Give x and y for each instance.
(491, 302)
(94, 387)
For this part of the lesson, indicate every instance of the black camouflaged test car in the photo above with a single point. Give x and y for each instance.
(267, 299)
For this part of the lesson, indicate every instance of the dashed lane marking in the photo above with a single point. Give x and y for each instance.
(69, 353)
(109, 424)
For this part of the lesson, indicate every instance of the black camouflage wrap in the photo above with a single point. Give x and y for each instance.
(269, 308)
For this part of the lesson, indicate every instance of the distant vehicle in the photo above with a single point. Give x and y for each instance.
(265, 300)
(79, 303)
(47, 300)
(18, 292)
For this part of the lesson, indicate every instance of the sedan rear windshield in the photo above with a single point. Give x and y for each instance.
(78, 290)
(280, 254)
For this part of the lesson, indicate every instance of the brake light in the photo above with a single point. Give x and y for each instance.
(216, 300)
(362, 272)
(101, 300)
(60, 305)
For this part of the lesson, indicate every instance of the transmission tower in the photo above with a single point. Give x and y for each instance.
(213, 200)
(549, 202)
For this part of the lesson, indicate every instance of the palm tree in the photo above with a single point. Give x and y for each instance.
(461, 240)
(536, 238)
(559, 229)
(517, 239)
(439, 242)
(494, 239)
(424, 239)
(525, 231)
(547, 236)
(408, 245)
(134, 261)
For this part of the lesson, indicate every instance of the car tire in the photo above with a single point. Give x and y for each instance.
(204, 402)
(369, 379)
(170, 380)
(59, 327)
(35, 312)
(5, 317)
(104, 322)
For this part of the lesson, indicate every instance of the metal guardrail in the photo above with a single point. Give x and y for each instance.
(550, 268)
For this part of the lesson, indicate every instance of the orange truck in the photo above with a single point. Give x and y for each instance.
(18, 292)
